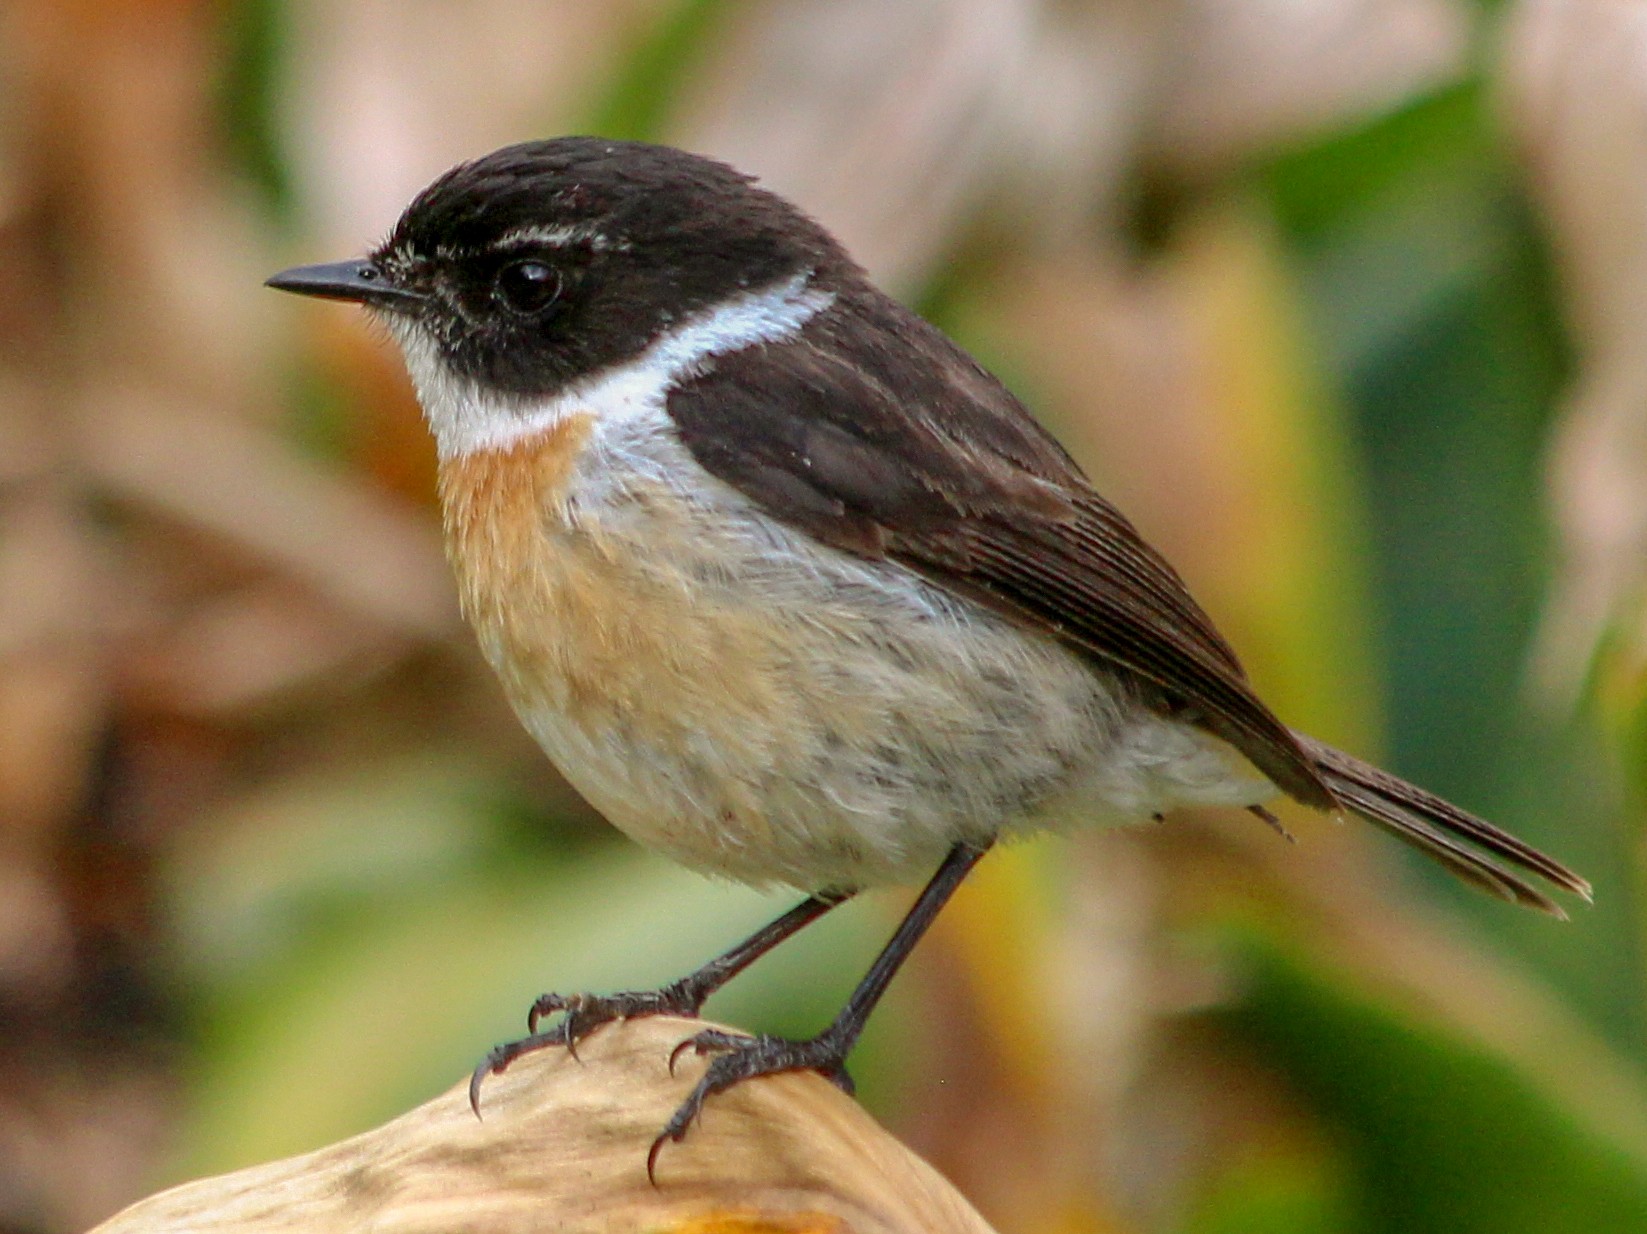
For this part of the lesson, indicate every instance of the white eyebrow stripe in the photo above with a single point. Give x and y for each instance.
(559, 236)
(465, 418)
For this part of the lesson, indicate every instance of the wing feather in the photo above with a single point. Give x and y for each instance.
(875, 434)
(880, 437)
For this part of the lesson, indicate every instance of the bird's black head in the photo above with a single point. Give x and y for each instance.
(545, 262)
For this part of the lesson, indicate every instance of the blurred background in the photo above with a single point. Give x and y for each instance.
(1345, 301)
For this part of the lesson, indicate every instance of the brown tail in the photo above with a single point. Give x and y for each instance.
(1465, 844)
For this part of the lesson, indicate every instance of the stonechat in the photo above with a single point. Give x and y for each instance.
(788, 585)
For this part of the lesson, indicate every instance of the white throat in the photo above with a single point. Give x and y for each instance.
(466, 418)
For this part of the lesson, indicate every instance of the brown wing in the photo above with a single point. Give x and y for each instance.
(877, 435)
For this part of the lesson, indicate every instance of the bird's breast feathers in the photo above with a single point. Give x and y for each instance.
(761, 706)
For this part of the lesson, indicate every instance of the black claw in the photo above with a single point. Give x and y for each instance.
(476, 1078)
(497, 1060)
(674, 1131)
(572, 1027)
(739, 1058)
(581, 1015)
(675, 1054)
(709, 1041)
(652, 1158)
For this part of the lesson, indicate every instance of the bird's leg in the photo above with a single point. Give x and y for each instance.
(739, 1058)
(581, 1014)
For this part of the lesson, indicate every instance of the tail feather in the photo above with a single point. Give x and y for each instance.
(1470, 847)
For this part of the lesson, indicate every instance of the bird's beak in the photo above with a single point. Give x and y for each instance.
(362, 282)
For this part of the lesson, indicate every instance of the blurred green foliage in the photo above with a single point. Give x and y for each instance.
(1436, 1135)
(638, 100)
(1437, 312)
(253, 35)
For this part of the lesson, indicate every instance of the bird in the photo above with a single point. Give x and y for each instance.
(788, 586)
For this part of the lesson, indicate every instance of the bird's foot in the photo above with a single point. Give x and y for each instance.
(739, 1058)
(581, 1015)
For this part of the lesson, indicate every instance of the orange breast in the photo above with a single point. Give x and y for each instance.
(646, 692)
(523, 593)
(593, 614)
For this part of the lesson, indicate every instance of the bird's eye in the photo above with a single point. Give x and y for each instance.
(527, 287)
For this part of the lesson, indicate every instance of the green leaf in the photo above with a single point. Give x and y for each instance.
(1437, 1133)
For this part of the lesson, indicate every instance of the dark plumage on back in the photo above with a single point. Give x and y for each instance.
(873, 432)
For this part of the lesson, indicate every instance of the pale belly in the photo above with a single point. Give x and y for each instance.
(759, 707)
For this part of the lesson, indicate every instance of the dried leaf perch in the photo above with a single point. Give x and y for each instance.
(563, 1146)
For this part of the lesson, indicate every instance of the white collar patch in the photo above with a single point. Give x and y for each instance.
(465, 418)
